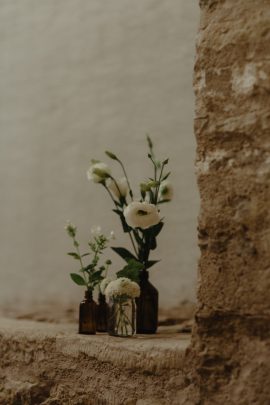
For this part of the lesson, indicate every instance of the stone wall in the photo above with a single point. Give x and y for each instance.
(232, 124)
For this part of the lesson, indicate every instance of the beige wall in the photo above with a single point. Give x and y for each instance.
(76, 78)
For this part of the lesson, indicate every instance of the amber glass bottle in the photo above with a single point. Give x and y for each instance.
(102, 313)
(147, 306)
(87, 314)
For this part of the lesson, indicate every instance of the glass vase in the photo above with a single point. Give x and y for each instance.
(122, 317)
(87, 315)
(147, 306)
(102, 313)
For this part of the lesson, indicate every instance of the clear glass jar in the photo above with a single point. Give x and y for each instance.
(122, 316)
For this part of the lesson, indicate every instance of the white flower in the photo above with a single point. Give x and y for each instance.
(141, 215)
(112, 235)
(122, 286)
(120, 189)
(104, 283)
(165, 191)
(96, 230)
(98, 172)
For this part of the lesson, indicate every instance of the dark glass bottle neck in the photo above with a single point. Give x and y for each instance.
(144, 275)
(88, 295)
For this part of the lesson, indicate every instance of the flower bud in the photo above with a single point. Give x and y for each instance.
(98, 172)
(165, 191)
(111, 155)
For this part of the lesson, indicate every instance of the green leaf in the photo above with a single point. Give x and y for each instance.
(157, 228)
(131, 270)
(153, 231)
(150, 235)
(97, 275)
(75, 255)
(77, 279)
(151, 263)
(166, 176)
(153, 243)
(124, 253)
(118, 212)
(165, 162)
(85, 254)
(163, 201)
(90, 267)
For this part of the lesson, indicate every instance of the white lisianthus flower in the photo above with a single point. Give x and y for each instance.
(165, 191)
(122, 287)
(104, 283)
(120, 189)
(141, 215)
(98, 172)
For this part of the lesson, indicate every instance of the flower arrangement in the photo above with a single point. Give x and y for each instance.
(140, 218)
(142, 222)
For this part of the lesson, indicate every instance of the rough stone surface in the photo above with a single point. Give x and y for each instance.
(232, 124)
(51, 364)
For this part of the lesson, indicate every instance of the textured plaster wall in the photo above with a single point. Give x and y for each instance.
(76, 78)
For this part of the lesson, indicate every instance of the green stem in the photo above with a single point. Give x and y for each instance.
(133, 243)
(110, 194)
(129, 232)
(116, 184)
(159, 180)
(75, 243)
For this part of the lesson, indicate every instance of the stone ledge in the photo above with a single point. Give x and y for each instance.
(37, 359)
(151, 353)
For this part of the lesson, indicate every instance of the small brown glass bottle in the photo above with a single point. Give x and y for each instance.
(87, 314)
(147, 306)
(102, 313)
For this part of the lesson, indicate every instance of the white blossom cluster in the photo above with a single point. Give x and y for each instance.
(122, 286)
